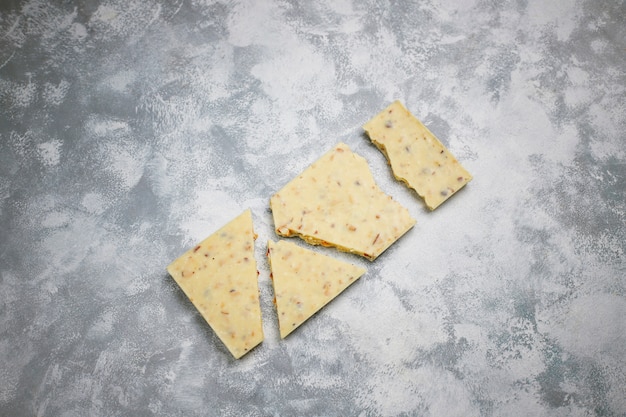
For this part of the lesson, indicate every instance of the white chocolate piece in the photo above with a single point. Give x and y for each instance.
(336, 202)
(219, 276)
(416, 156)
(305, 281)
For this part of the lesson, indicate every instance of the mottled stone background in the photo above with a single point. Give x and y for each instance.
(131, 129)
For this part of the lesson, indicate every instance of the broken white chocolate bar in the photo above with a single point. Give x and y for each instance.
(305, 281)
(336, 202)
(416, 156)
(219, 276)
